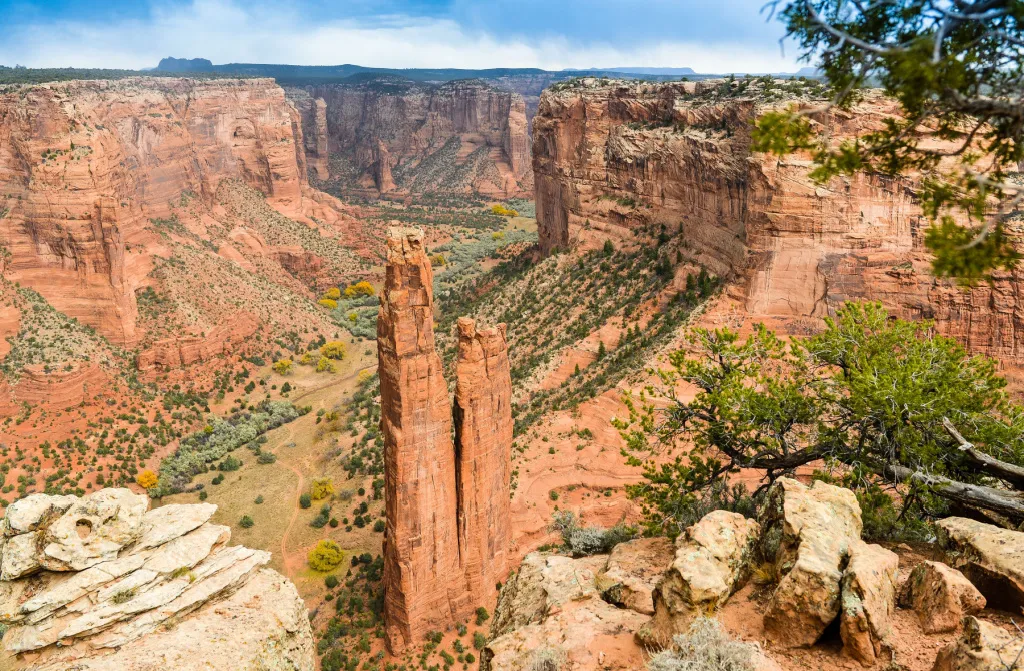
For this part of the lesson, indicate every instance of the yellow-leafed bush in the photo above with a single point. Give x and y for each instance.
(334, 293)
(307, 359)
(147, 479)
(282, 366)
(353, 317)
(334, 349)
(503, 211)
(364, 376)
(321, 488)
(326, 556)
(438, 260)
(328, 303)
(325, 365)
(498, 235)
(363, 288)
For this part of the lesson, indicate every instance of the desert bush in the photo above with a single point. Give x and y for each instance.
(705, 647)
(246, 522)
(328, 303)
(325, 365)
(334, 349)
(331, 581)
(583, 541)
(326, 556)
(503, 211)
(332, 294)
(321, 488)
(282, 366)
(147, 479)
(363, 288)
(305, 501)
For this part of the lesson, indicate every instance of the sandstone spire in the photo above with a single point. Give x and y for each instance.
(422, 577)
(483, 438)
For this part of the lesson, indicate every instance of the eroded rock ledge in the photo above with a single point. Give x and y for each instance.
(101, 583)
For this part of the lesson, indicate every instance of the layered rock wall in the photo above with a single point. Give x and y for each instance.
(631, 158)
(446, 503)
(85, 166)
(424, 134)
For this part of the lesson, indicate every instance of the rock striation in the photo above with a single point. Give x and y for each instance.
(447, 503)
(395, 134)
(483, 439)
(95, 583)
(85, 166)
(624, 159)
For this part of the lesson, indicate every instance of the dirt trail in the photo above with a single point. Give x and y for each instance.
(292, 563)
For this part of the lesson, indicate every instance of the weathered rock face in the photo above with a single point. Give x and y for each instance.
(119, 575)
(990, 557)
(712, 561)
(982, 647)
(868, 601)
(423, 589)
(818, 526)
(459, 136)
(940, 596)
(483, 436)
(184, 351)
(625, 157)
(633, 572)
(314, 124)
(550, 615)
(85, 165)
(447, 504)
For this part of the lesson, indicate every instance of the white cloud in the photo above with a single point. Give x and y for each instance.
(226, 31)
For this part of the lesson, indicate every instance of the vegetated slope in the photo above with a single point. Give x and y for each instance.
(385, 133)
(616, 158)
(159, 244)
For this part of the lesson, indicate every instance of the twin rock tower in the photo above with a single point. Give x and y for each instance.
(447, 501)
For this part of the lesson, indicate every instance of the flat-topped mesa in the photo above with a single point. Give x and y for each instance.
(483, 438)
(421, 551)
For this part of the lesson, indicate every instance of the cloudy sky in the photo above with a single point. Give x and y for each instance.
(707, 35)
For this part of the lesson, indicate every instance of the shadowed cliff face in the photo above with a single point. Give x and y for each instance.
(84, 166)
(638, 159)
(386, 135)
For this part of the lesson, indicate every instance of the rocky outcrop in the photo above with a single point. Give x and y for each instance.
(982, 647)
(712, 561)
(941, 596)
(85, 166)
(992, 559)
(483, 438)
(313, 112)
(550, 615)
(633, 571)
(868, 602)
(185, 350)
(624, 159)
(102, 584)
(818, 527)
(422, 586)
(447, 503)
(415, 137)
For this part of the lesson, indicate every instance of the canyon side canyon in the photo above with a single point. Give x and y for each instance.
(387, 134)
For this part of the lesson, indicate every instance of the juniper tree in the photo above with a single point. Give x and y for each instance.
(955, 68)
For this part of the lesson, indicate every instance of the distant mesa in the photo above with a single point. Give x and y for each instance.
(672, 72)
(185, 65)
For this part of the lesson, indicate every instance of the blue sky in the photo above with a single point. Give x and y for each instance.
(709, 36)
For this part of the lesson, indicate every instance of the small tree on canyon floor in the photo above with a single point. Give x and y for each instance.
(884, 404)
(955, 68)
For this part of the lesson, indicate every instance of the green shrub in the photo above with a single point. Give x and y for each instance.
(305, 501)
(331, 581)
(326, 556)
(246, 522)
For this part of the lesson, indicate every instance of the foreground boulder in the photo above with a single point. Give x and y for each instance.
(158, 585)
(816, 526)
(633, 571)
(992, 559)
(941, 596)
(868, 601)
(982, 647)
(550, 615)
(712, 561)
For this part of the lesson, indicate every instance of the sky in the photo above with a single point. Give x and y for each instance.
(712, 36)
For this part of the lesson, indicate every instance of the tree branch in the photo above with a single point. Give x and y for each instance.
(985, 463)
(978, 496)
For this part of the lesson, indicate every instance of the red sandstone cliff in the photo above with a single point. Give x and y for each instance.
(628, 158)
(85, 165)
(483, 438)
(395, 134)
